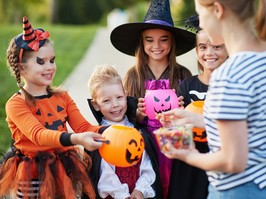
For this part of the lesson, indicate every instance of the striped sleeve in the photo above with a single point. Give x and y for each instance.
(237, 91)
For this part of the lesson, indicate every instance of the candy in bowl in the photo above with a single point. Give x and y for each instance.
(178, 136)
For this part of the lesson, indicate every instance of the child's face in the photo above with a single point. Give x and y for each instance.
(39, 70)
(111, 101)
(157, 43)
(210, 56)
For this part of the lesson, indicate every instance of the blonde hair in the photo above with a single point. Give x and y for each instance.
(245, 9)
(13, 64)
(102, 75)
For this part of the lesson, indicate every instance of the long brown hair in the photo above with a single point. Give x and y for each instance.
(136, 75)
(13, 64)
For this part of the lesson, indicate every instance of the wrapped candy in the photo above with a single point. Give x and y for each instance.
(177, 136)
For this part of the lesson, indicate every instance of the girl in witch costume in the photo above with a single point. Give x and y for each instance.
(43, 162)
(138, 181)
(155, 43)
(185, 178)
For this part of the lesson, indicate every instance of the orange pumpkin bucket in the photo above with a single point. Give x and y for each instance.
(196, 107)
(125, 146)
(199, 134)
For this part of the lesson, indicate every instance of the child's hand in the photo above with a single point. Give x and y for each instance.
(140, 114)
(136, 194)
(87, 139)
(141, 107)
(181, 101)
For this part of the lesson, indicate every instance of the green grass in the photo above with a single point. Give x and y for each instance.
(71, 42)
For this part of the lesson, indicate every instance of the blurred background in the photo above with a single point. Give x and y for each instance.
(73, 25)
(81, 11)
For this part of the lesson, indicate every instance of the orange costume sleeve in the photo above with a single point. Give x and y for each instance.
(40, 127)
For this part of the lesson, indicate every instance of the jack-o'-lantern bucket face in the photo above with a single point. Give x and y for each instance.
(158, 101)
(199, 134)
(125, 147)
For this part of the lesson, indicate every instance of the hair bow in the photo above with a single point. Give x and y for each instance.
(157, 84)
(40, 35)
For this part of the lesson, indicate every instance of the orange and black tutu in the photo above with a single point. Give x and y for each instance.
(58, 174)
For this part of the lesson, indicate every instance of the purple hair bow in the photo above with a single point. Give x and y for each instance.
(157, 84)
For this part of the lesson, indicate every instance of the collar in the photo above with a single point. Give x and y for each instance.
(124, 122)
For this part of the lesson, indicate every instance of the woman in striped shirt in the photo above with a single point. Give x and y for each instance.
(235, 106)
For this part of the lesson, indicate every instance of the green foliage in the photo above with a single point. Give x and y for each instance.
(188, 8)
(71, 12)
(8, 84)
(71, 42)
(138, 11)
(67, 11)
(12, 11)
(89, 11)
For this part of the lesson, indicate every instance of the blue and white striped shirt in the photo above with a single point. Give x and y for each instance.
(237, 91)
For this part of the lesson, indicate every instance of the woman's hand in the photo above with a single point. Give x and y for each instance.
(182, 153)
(180, 116)
(176, 116)
(87, 139)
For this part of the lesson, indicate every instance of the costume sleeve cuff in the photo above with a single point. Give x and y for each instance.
(65, 139)
(144, 121)
(102, 129)
(147, 191)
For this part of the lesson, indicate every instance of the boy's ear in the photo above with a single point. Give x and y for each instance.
(95, 105)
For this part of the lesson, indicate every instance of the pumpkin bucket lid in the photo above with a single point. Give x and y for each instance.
(196, 107)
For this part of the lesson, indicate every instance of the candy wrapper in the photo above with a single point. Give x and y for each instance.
(178, 136)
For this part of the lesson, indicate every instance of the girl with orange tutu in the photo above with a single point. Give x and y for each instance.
(43, 162)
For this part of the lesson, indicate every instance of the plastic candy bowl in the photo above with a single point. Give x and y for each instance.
(178, 136)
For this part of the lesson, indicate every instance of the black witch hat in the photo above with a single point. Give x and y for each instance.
(192, 23)
(125, 37)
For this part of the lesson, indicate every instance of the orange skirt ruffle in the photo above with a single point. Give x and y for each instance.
(62, 174)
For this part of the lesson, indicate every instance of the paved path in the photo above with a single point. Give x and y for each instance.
(101, 52)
